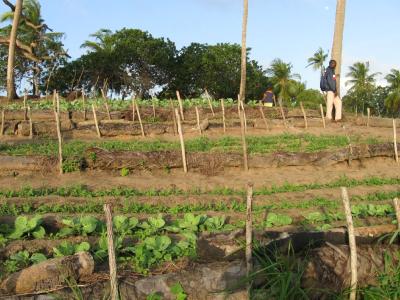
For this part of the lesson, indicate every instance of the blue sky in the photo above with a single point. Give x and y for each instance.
(288, 29)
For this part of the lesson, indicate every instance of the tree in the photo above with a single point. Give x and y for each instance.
(362, 83)
(310, 98)
(317, 61)
(11, 92)
(38, 48)
(392, 101)
(243, 73)
(282, 78)
(338, 39)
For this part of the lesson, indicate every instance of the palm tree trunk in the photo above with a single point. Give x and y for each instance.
(11, 92)
(242, 93)
(338, 39)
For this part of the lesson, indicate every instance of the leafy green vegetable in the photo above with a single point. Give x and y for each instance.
(125, 226)
(79, 226)
(66, 248)
(25, 227)
(178, 291)
(22, 259)
(274, 219)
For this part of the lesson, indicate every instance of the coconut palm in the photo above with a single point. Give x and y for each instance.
(282, 78)
(317, 61)
(11, 92)
(103, 42)
(338, 39)
(392, 102)
(361, 82)
(243, 72)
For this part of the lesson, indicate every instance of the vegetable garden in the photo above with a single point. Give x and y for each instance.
(182, 235)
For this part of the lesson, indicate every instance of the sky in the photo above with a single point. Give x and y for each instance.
(288, 29)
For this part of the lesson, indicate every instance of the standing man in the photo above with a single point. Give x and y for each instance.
(329, 84)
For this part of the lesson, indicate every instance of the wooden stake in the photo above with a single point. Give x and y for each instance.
(3, 119)
(249, 231)
(140, 120)
(95, 121)
(304, 115)
(244, 143)
(30, 123)
(282, 113)
(352, 243)
(59, 136)
(84, 105)
(178, 95)
(210, 103)
(198, 120)
(25, 108)
(368, 115)
(238, 106)
(106, 104)
(133, 108)
(322, 115)
(244, 115)
(54, 99)
(396, 153)
(111, 253)
(154, 109)
(263, 117)
(184, 161)
(396, 205)
(173, 116)
(223, 115)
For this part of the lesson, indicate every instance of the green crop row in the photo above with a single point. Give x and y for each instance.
(83, 191)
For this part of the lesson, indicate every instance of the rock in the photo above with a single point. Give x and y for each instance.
(48, 274)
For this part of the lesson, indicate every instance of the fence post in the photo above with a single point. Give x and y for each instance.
(59, 136)
(178, 95)
(210, 103)
(3, 119)
(396, 153)
(198, 120)
(249, 232)
(244, 143)
(30, 123)
(322, 115)
(223, 115)
(96, 123)
(140, 120)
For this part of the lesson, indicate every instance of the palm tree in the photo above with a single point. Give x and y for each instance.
(361, 82)
(282, 78)
(338, 39)
(317, 61)
(11, 92)
(243, 72)
(392, 101)
(104, 42)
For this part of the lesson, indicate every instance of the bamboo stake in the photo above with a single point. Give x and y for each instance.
(140, 120)
(352, 243)
(95, 121)
(396, 153)
(25, 108)
(210, 103)
(304, 115)
(184, 161)
(3, 119)
(111, 253)
(263, 117)
(249, 231)
(59, 136)
(30, 123)
(244, 143)
(173, 116)
(133, 108)
(178, 95)
(84, 105)
(368, 115)
(198, 120)
(322, 115)
(396, 205)
(223, 115)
